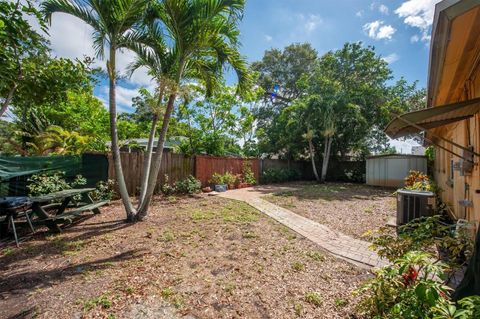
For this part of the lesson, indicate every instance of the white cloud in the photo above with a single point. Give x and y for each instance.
(378, 30)
(310, 22)
(359, 13)
(391, 58)
(414, 38)
(124, 97)
(383, 9)
(418, 14)
(268, 38)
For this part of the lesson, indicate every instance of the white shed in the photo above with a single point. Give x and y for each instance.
(391, 170)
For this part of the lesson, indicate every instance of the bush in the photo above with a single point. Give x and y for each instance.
(166, 188)
(408, 289)
(279, 175)
(247, 173)
(229, 178)
(105, 191)
(217, 179)
(423, 234)
(415, 285)
(46, 183)
(189, 185)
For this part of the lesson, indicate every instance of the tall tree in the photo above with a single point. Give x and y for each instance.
(19, 43)
(202, 38)
(114, 23)
(281, 68)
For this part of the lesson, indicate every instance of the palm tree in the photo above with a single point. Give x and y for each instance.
(114, 23)
(187, 40)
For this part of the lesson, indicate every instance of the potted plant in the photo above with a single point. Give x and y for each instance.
(218, 182)
(229, 179)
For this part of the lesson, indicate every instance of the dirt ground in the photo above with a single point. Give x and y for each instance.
(352, 209)
(202, 257)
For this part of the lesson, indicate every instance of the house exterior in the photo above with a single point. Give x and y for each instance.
(451, 121)
(454, 76)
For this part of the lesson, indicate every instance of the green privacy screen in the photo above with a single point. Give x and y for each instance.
(15, 171)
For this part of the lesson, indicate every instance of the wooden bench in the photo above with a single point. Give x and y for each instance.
(71, 214)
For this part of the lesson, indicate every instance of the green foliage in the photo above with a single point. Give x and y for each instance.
(280, 175)
(421, 235)
(408, 289)
(314, 298)
(229, 178)
(189, 185)
(46, 183)
(104, 191)
(247, 173)
(217, 179)
(19, 42)
(466, 308)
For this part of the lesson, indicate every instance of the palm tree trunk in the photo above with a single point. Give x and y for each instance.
(312, 158)
(326, 157)
(148, 159)
(157, 161)
(117, 164)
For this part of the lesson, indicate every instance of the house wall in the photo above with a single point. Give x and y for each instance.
(459, 80)
(465, 133)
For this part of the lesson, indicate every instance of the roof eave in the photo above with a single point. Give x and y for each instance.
(445, 12)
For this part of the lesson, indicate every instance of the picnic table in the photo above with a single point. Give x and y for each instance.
(51, 209)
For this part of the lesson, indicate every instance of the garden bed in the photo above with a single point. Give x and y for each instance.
(204, 257)
(352, 209)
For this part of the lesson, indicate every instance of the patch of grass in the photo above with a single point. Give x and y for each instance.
(72, 248)
(249, 234)
(229, 287)
(202, 215)
(298, 307)
(315, 255)
(167, 292)
(100, 301)
(313, 298)
(339, 302)
(240, 213)
(172, 199)
(168, 236)
(177, 301)
(298, 266)
(8, 251)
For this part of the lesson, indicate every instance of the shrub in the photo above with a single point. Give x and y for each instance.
(408, 289)
(229, 178)
(189, 185)
(422, 234)
(105, 191)
(217, 179)
(247, 173)
(279, 175)
(46, 183)
(166, 188)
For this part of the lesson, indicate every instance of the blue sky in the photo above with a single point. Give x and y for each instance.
(399, 30)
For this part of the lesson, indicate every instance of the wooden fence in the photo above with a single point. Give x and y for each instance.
(176, 166)
(206, 166)
(179, 166)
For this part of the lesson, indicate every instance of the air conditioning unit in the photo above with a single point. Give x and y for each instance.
(414, 204)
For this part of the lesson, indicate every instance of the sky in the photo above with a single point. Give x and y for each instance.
(398, 29)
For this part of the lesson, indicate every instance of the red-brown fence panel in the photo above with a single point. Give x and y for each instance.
(176, 166)
(206, 166)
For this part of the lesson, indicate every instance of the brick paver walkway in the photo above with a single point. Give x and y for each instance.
(350, 249)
